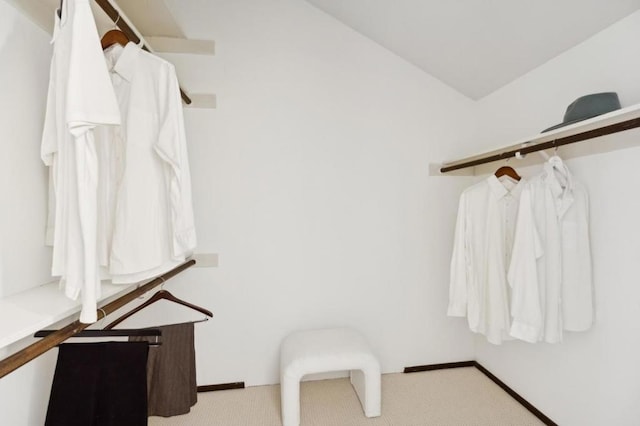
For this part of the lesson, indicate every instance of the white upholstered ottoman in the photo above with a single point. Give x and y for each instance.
(326, 350)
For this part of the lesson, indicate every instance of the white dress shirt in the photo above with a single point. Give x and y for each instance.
(80, 98)
(148, 227)
(550, 271)
(481, 255)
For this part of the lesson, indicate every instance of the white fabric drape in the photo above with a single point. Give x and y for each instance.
(80, 98)
(481, 253)
(523, 273)
(120, 202)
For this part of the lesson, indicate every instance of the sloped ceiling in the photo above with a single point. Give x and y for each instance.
(473, 46)
(478, 46)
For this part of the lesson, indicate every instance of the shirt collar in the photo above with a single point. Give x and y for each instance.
(125, 60)
(499, 190)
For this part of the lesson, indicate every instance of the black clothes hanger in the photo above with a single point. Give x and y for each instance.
(161, 295)
(107, 333)
(508, 171)
(154, 332)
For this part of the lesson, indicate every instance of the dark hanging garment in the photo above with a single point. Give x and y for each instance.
(99, 384)
(171, 371)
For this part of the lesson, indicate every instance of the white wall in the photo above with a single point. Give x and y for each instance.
(311, 182)
(591, 378)
(25, 55)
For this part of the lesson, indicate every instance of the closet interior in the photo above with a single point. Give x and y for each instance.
(319, 171)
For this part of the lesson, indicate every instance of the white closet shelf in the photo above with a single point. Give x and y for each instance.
(606, 124)
(202, 100)
(24, 313)
(181, 45)
(43, 306)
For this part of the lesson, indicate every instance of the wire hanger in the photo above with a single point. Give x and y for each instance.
(114, 36)
(559, 168)
(160, 295)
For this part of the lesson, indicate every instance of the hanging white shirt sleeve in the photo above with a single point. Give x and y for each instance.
(48, 151)
(526, 308)
(90, 101)
(90, 98)
(80, 97)
(172, 148)
(458, 284)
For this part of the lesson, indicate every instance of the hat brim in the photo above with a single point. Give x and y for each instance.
(566, 123)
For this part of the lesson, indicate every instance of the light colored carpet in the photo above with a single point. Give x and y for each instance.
(454, 397)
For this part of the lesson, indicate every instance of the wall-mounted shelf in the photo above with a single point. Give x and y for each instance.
(25, 313)
(606, 124)
(29, 311)
(202, 100)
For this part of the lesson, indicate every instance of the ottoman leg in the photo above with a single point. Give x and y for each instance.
(367, 385)
(290, 401)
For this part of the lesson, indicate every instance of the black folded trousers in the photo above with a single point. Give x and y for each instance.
(99, 384)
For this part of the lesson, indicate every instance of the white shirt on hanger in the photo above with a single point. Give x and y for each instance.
(550, 272)
(151, 227)
(80, 98)
(481, 255)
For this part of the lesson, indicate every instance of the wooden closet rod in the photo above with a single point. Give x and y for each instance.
(578, 137)
(114, 15)
(36, 349)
